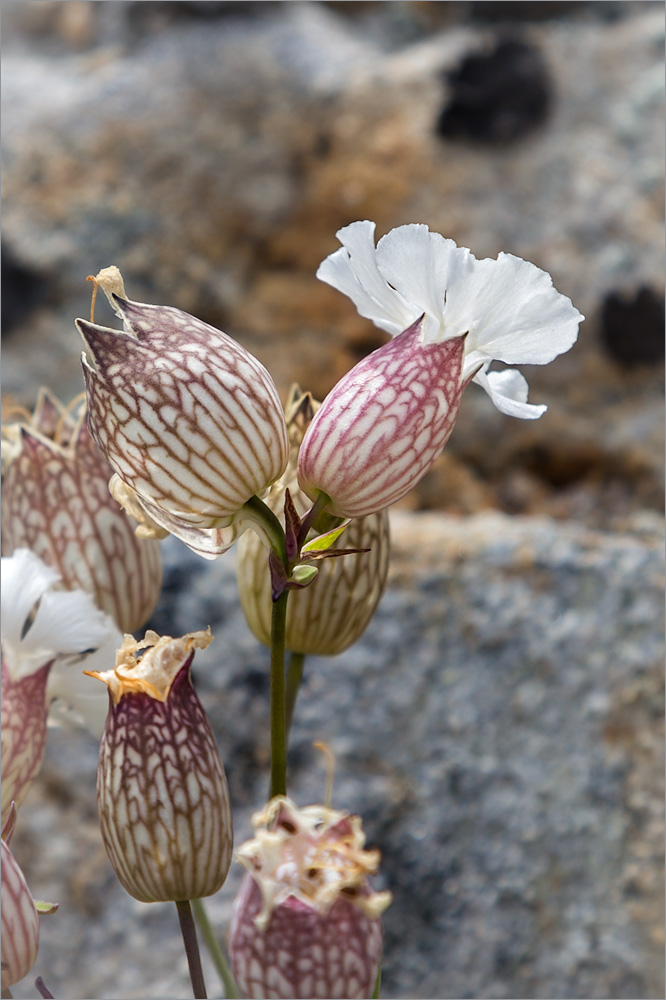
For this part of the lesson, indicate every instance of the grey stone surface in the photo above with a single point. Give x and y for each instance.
(500, 729)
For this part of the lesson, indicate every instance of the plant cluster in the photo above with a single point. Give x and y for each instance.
(182, 432)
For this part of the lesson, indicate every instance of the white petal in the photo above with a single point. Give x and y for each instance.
(64, 622)
(514, 314)
(508, 391)
(428, 271)
(24, 579)
(79, 700)
(353, 271)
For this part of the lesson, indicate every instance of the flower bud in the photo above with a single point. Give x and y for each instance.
(56, 502)
(20, 922)
(333, 612)
(306, 922)
(162, 792)
(383, 425)
(189, 420)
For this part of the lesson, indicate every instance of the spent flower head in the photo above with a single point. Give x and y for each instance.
(383, 425)
(306, 922)
(189, 420)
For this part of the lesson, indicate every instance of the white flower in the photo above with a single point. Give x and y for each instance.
(41, 625)
(508, 308)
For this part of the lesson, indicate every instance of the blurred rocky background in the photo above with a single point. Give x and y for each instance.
(500, 725)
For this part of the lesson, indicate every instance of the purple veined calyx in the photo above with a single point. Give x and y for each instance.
(188, 419)
(162, 793)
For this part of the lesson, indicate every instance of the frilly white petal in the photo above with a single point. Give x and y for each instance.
(428, 271)
(78, 700)
(508, 307)
(508, 391)
(66, 622)
(514, 314)
(353, 271)
(24, 579)
(63, 623)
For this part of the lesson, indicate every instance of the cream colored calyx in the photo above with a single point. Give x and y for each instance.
(154, 672)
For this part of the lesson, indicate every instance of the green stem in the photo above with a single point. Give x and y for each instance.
(378, 984)
(189, 932)
(259, 512)
(294, 678)
(278, 705)
(217, 955)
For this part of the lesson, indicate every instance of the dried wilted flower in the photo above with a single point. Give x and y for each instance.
(189, 420)
(306, 922)
(44, 636)
(162, 792)
(383, 425)
(333, 612)
(56, 502)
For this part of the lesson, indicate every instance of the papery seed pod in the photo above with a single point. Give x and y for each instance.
(189, 420)
(306, 922)
(56, 502)
(40, 626)
(333, 612)
(162, 792)
(20, 922)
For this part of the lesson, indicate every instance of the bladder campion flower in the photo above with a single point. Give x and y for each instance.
(162, 792)
(450, 315)
(56, 502)
(306, 922)
(189, 420)
(44, 634)
(332, 613)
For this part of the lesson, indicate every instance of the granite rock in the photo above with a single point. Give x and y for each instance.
(500, 729)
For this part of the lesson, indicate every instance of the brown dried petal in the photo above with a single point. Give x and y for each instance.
(306, 922)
